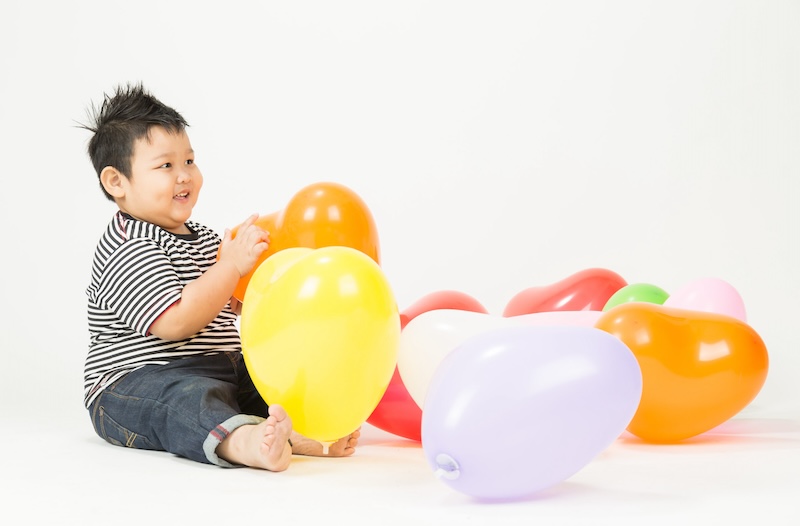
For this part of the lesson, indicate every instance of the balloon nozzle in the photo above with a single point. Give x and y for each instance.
(447, 467)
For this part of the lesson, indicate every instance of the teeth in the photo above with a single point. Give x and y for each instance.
(182, 195)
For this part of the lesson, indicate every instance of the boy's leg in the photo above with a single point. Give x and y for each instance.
(187, 407)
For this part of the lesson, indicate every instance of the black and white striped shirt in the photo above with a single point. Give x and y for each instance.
(138, 272)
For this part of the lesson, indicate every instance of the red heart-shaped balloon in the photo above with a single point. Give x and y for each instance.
(698, 369)
(397, 412)
(588, 289)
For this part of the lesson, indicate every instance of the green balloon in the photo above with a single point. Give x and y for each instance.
(643, 292)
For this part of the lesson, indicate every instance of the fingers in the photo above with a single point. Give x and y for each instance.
(249, 221)
(251, 227)
(243, 227)
(252, 234)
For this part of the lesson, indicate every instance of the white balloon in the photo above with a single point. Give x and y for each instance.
(430, 336)
(566, 318)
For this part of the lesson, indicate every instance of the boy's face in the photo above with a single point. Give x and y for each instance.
(164, 183)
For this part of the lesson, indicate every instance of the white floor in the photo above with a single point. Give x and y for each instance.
(59, 472)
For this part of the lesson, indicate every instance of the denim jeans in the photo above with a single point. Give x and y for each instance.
(186, 407)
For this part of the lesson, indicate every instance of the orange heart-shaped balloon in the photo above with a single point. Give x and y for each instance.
(320, 215)
(698, 369)
(588, 289)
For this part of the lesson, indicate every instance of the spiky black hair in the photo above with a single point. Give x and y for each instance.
(125, 116)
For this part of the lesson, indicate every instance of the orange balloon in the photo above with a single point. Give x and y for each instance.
(325, 215)
(267, 223)
(319, 215)
(698, 369)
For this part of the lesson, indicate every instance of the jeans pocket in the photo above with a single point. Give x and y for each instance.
(114, 433)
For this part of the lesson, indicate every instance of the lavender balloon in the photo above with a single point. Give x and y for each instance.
(516, 410)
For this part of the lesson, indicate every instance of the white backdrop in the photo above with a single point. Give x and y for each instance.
(499, 146)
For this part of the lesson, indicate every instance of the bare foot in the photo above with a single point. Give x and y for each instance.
(264, 445)
(344, 447)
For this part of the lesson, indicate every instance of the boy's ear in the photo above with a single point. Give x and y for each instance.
(112, 180)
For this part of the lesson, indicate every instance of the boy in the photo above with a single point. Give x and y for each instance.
(164, 369)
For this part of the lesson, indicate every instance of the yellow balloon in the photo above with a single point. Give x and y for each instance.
(268, 272)
(320, 335)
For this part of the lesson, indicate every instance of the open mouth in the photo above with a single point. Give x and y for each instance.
(184, 195)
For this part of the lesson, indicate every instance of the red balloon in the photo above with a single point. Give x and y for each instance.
(397, 412)
(443, 299)
(588, 289)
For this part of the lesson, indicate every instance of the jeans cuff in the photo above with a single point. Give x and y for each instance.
(221, 432)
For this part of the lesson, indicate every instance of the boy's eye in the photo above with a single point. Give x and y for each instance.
(166, 165)
(189, 161)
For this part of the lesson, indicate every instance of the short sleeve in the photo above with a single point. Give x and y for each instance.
(139, 283)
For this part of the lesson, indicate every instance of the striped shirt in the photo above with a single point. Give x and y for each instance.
(138, 272)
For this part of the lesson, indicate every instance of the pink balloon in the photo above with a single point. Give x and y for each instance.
(515, 410)
(709, 295)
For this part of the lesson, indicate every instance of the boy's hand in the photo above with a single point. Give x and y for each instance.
(244, 249)
(236, 306)
(204, 298)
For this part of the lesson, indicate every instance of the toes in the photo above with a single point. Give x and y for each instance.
(278, 412)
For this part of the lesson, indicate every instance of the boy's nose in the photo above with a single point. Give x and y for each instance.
(184, 175)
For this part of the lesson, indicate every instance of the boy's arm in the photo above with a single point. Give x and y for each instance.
(203, 299)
